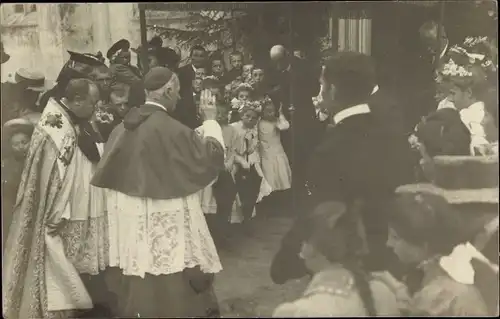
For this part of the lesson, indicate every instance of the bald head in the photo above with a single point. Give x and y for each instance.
(278, 52)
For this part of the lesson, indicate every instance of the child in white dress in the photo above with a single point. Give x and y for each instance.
(274, 162)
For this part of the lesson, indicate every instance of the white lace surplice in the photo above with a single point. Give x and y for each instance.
(159, 237)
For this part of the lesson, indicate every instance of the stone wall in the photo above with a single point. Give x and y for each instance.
(41, 39)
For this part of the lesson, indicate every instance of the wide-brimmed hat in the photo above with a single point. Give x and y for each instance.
(462, 180)
(4, 56)
(31, 80)
(17, 125)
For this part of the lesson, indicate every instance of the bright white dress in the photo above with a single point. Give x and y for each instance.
(274, 161)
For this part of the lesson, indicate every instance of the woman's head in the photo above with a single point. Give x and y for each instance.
(423, 226)
(19, 133)
(466, 76)
(347, 79)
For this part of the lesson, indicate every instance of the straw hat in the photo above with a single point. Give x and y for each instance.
(462, 180)
(19, 125)
(31, 80)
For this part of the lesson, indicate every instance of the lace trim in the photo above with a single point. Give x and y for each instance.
(160, 242)
(86, 244)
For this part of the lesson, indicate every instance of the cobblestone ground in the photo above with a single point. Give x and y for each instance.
(244, 287)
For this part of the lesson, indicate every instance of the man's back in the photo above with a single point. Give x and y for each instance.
(357, 159)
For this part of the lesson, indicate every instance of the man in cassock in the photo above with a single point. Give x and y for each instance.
(39, 280)
(154, 168)
(359, 161)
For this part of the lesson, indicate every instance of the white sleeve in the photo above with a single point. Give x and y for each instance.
(212, 129)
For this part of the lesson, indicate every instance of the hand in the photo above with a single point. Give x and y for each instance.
(208, 108)
(53, 229)
(398, 288)
(483, 150)
(244, 164)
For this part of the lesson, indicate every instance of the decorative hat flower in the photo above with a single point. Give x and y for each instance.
(453, 69)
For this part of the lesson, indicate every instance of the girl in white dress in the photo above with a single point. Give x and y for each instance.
(274, 162)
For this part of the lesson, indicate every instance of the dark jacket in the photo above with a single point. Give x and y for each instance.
(358, 159)
(185, 111)
(443, 133)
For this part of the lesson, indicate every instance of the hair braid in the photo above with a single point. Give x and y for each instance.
(355, 245)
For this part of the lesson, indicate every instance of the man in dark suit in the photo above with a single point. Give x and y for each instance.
(186, 112)
(359, 161)
(295, 84)
(419, 89)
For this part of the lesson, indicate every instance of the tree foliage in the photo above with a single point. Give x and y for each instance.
(295, 25)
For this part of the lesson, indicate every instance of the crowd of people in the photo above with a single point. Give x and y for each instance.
(122, 186)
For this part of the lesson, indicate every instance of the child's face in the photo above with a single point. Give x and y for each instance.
(269, 113)
(243, 95)
(236, 61)
(200, 73)
(247, 70)
(120, 104)
(197, 85)
(249, 118)
(20, 144)
(258, 75)
(217, 67)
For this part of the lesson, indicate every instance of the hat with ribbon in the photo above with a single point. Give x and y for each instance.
(120, 46)
(156, 78)
(31, 80)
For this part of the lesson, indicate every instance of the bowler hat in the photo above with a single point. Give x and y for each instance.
(31, 80)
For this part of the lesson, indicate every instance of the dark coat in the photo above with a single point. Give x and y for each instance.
(152, 155)
(185, 111)
(358, 159)
(443, 133)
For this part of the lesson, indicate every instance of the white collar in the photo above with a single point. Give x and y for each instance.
(156, 104)
(194, 68)
(353, 110)
(375, 89)
(477, 106)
